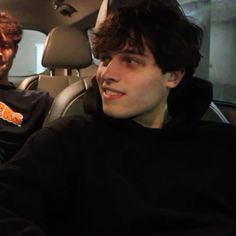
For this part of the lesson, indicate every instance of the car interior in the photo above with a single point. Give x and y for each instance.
(59, 57)
(69, 65)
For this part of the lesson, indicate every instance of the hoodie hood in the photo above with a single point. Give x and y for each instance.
(189, 102)
(186, 104)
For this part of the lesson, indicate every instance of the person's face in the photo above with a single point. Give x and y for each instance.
(133, 86)
(7, 54)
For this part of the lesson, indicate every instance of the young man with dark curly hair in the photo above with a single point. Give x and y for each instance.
(21, 112)
(143, 163)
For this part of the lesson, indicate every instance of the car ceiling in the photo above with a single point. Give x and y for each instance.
(41, 15)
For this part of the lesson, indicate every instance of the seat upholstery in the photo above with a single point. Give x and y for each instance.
(69, 101)
(215, 114)
(30, 83)
(63, 57)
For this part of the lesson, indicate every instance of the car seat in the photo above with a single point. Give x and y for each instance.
(66, 51)
(69, 101)
(215, 114)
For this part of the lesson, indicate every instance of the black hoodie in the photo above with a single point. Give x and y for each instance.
(22, 112)
(95, 175)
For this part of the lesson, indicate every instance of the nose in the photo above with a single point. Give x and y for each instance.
(110, 71)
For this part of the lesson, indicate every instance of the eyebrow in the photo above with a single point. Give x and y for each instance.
(133, 51)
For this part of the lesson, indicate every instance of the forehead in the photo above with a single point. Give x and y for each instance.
(144, 51)
(131, 48)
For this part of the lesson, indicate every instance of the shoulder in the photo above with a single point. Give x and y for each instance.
(217, 126)
(218, 131)
(35, 98)
(88, 125)
(32, 96)
(71, 123)
(33, 93)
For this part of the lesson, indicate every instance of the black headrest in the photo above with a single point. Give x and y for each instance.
(189, 101)
(92, 99)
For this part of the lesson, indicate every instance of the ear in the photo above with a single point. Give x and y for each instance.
(174, 78)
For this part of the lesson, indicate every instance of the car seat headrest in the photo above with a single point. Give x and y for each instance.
(66, 47)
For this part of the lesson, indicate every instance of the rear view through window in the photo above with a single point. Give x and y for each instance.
(29, 55)
(218, 19)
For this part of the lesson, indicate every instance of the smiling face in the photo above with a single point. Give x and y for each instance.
(133, 86)
(7, 54)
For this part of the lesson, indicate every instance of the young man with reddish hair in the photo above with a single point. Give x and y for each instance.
(21, 112)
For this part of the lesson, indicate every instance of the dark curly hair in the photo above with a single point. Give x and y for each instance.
(172, 38)
(10, 28)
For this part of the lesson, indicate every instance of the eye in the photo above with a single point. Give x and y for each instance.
(105, 59)
(5, 45)
(131, 60)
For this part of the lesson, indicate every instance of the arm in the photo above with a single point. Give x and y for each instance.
(11, 226)
(25, 180)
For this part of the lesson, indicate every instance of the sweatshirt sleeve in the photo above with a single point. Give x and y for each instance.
(12, 226)
(26, 181)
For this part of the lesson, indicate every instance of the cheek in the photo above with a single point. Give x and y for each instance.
(9, 55)
(98, 75)
(150, 90)
(149, 84)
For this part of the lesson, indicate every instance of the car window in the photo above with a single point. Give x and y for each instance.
(218, 19)
(28, 58)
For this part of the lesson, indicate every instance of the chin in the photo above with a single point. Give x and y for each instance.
(2, 73)
(117, 111)
(116, 114)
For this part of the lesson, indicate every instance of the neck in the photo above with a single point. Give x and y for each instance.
(156, 120)
(4, 80)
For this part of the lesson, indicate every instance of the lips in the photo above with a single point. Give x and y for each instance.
(110, 93)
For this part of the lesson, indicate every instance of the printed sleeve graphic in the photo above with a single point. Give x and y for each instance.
(6, 113)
